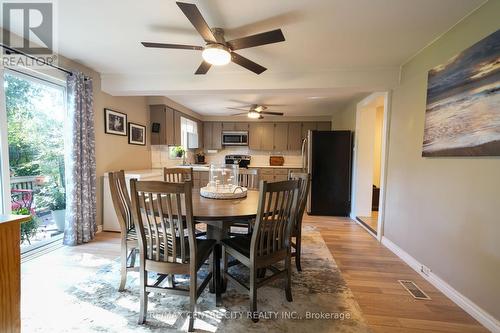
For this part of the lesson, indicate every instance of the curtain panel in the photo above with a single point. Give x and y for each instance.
(80, 162)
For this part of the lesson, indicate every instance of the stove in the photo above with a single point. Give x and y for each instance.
(242, 160)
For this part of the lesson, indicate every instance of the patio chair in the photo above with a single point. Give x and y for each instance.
(159, 208)
(128, 235)
(269, 243)
(22, 198)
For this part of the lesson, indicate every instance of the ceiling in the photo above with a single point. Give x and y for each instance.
(339, 48)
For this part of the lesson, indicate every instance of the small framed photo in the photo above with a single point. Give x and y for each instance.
(136, 134)
(115, 122)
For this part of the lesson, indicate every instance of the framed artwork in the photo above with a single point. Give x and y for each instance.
(463, 103)
(115, 122)
(136, 134)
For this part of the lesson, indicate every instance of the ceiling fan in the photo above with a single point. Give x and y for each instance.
(217, 50)
(255, 111)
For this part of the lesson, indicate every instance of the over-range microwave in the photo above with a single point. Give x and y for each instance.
(235, 138)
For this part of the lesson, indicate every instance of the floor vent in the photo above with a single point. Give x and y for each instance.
(413, 289)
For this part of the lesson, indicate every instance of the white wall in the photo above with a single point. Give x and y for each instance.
(444, 212)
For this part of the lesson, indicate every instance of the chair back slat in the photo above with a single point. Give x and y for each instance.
(248, 178)
(275, 216)
(159, 208)
(178, 175)
(121, 200)
(305, 184)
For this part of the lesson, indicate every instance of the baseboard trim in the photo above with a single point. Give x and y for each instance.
(466, 304)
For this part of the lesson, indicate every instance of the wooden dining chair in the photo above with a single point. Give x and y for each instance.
(269, 243)
(178, 175)
(163, 215)
(248, 178)
(128, 236)
(301, 207)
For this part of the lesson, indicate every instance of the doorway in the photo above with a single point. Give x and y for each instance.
(369, 162)
(33, 156)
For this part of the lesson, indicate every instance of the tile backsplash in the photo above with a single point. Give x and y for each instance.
(160, 157)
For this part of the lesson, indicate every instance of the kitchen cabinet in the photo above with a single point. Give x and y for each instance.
(199, 128)
(177, 128)
(236, 126)
(254, 130)
(267, 136)
(212, 135)
(164, 116)
(324, 126)
(281, 136)
(275, 174)
(308, 126)
(294, 136)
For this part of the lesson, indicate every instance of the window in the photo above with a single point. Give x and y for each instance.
(189, 132)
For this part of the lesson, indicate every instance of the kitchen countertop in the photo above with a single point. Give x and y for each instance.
(275, 166)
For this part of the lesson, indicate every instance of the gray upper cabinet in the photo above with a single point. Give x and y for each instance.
(324, 126)
(294, 136)
(177, 128)
(267, 136)
(236, 126)
(217, 135)
(207, 135)
(254, 133)
(164, 116)
(309, 126)
(281, 136)
(212, 135)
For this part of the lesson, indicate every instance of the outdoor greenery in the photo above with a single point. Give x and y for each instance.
(179, 151)
(52, 197)
(28, 229)
(36, 146)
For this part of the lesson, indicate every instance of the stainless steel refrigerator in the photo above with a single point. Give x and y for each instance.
(327, 157)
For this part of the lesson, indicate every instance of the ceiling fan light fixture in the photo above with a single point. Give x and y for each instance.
(216, 54)
(253, 114)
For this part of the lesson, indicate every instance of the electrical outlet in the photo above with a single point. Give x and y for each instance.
(425, 270)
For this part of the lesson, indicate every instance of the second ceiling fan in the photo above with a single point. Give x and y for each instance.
(255, 111)
(217, 50)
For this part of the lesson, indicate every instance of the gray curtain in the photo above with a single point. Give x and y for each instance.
(80, 162)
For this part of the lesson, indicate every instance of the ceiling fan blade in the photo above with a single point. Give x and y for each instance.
(240, 114)
(248, 64)
(273, 113)
(194, 16)
(172, 46)
(269, 37)
(203, 69)
(237, 109)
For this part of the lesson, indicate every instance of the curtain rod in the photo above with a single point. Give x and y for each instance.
(12, 50)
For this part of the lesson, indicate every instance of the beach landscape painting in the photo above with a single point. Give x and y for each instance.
(463, 103)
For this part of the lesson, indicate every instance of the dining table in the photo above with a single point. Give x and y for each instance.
(219, 215)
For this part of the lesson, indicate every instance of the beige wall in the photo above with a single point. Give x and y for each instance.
(444, 212)
(345, 119)
(113, 152)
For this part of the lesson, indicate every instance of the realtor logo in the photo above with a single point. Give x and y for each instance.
(28, 27)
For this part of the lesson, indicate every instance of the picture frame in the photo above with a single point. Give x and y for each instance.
(115, 122)
(136, 134)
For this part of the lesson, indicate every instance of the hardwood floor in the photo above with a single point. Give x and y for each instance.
(370, 222)
(370, 270)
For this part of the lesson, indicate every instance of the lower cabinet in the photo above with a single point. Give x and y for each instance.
(275, 174)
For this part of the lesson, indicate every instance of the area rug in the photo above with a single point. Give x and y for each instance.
(322, 302)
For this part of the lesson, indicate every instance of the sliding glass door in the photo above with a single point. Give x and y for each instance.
(35, 113)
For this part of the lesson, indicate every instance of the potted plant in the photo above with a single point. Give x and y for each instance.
(179, 151)
(54, 198)
(58, 207)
